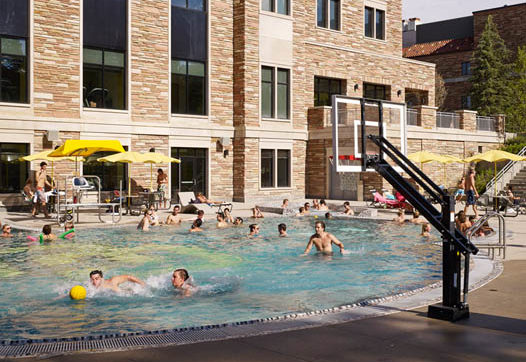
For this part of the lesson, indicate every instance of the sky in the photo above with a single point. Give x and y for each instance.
(435, 10)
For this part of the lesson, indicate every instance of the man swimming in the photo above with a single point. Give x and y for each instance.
(98, 281)
(180, 282)
(322, 240)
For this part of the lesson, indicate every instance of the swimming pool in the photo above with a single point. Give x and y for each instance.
(239, 278)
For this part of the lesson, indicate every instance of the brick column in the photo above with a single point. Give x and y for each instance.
(500, 123)
(468, 120)
(427, 116)
(319, 117)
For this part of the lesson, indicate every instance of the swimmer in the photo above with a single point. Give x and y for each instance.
(256, 213)
(416, 218)
(98, 281)
(347, 208)
(400, 219)
(154, 218)
(328, 216)
(463, 223)
(238, 221)
(201, 215)
(282, 229)
(302, 212)
(174, 218)
(323, 206)
(6, 231)
(285, 204)
(254, 229)
(322, 240)
(315, 204)
(221, 223)
(180, 282)
(228, 216)
(196, 226)
(145, 222)
(306, 208)
(47, 235)
(426, 230)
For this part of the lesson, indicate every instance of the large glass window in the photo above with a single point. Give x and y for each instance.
(13, 70)
(466, 68)
(277, 6)
(188, 87)
(13, 173)
(328, 14)
(324, 89)
(466, 102)
(104, 79)
(374, 23)
(273, 160)
(110, 173)
(275, 102)
(190, 4)
(375, 91)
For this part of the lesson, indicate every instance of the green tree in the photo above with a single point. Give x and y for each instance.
(490, 92)
(516, 111)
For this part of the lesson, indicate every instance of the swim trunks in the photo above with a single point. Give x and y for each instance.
(470, 197)
(41, 195)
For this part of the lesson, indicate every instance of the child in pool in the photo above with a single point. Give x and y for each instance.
(180, 281)
(47, 235)
(6, 231)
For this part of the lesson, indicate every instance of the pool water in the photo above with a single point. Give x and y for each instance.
(238, 278)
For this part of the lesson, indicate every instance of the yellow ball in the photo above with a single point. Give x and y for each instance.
(77, 292)
(315, 216)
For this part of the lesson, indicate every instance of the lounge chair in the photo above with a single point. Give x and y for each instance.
(188, 204)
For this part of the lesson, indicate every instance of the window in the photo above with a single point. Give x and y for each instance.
(104, 79)
(13, 173)
(188, 87)
(466, 102)
(275, 102)
(13, 70)
(375, 91)
(324, 89)
(190, 4)
(466, 68)
(110, 173)
(374, 23)
(328, 14)
(276, 6)
(272, 160)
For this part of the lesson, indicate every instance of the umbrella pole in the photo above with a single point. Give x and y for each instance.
(495, 177)
(129, 189)
(151, 177)
(52, 174)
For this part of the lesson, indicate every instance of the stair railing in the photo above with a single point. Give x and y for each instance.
(505, 175)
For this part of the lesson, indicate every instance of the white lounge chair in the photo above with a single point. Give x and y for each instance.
(187, 206)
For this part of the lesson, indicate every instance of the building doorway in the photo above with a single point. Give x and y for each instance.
(190, 174)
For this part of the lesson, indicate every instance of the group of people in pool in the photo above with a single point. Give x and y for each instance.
(401, 220)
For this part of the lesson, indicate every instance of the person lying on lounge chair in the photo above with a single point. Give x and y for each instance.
(202, 199)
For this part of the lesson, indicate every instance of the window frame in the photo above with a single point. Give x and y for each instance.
(376, 87)
(22, 164)
(274, 8)
(110, 67)
(274, 93)
(27, 70)
(327, 16)
(465, 102)
(465, 68)
(275, 168)
(316, 81)
(375, 9)
(187, 76)
(191, 9)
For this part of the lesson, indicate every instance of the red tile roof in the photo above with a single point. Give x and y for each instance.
(438, 47)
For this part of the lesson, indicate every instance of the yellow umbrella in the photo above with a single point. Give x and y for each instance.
(154, 157)
(44, 156)
(86, 148)
(495, 156)
(424, 157)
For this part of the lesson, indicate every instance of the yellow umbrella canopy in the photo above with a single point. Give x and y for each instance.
(154, 157)
(86, 147)
(424, 157)
(495, 156)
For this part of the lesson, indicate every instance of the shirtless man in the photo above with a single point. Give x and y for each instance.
(322, 206)
(174, 218)
(322, 240)
(471, 192)
(162, 182)
(306, 208)
(221, 223)
(254, 229)
(42, 182)
(179, 282)
(347, 208)
(98, 281)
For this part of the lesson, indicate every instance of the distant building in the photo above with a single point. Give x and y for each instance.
(450, 45)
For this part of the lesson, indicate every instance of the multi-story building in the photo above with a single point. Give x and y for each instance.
(231, 88)
(450, 45)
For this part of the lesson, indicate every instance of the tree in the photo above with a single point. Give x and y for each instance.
(490, 92)
(516, 111)
(440, 91)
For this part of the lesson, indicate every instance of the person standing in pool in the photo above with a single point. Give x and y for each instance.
(322, 240)
(180, 281)
(98, 281)
(254, 229)
(174, 218)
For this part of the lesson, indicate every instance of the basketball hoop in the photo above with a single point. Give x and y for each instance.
(344, 160)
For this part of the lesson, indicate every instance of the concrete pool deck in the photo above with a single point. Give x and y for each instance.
(496, 330)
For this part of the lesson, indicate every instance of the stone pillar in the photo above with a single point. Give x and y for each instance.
(500, 123)
(427, 116)
(468, 120)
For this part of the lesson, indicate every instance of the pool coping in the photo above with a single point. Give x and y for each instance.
(483, 272)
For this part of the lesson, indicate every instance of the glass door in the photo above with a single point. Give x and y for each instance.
(190, 174)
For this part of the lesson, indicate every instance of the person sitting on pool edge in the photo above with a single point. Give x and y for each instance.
(196, 226)
(181, 283)
(47, 235)
(98, 281)
(254, 229)
(322, 240)
(174, 218)
(282, 229)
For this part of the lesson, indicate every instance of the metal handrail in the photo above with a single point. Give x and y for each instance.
(500, 175)
(501, 232)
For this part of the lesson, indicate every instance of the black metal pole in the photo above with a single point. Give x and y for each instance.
(364, 139)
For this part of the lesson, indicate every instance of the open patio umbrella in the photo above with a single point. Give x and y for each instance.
(495, 156)
(446, 160)
(44, 156)
(154, 157)
(79, 148)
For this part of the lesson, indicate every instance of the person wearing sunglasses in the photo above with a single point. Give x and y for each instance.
(6, 231)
